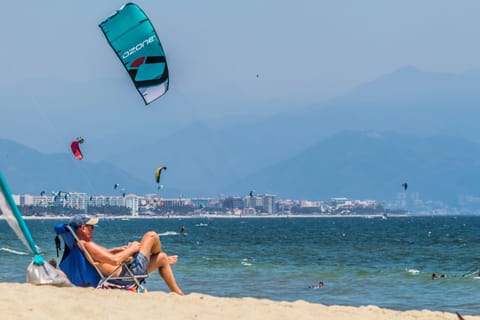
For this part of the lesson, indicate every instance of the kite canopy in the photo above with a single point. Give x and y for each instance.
(133, 38)
(75, 146)
(158, 172)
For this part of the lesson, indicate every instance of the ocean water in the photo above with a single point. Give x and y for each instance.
(388, 263)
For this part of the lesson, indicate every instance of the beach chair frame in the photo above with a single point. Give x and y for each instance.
(109, 281)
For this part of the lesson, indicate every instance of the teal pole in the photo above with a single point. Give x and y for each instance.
(37, 259)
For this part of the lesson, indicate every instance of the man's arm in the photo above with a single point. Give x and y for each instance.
(102, 254)
(117, 249)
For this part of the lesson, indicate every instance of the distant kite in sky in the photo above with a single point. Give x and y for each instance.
(405, 185)
(133, 38)
(116, 186)
(75, 146)
(158, 173)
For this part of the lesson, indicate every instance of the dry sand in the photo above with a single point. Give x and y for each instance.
(26, 301)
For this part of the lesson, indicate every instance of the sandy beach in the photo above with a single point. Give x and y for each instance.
(26, 301)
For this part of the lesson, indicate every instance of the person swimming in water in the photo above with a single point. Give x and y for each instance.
(436, 276)
(320, 285)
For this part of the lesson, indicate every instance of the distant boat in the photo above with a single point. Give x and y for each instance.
(384, 216)
(125, 219)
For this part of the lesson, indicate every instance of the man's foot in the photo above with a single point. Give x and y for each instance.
(179, 292)
(172, 259)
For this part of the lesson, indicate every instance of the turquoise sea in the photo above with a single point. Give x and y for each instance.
(388, 263)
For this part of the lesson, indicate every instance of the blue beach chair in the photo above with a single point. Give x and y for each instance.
(81, 269)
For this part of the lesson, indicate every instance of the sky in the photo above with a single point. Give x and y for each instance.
(304, 51)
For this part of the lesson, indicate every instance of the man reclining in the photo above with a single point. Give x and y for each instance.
(147, 253)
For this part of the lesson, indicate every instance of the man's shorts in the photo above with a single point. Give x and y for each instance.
(139, 265)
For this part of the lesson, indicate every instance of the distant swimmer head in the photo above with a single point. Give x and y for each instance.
(320, 285)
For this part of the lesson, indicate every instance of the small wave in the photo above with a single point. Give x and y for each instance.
(14, 251)
(168, 233)
(201, 225)
(245, 263)
(413, 271)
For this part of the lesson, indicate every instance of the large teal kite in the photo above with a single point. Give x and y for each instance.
(133, 38)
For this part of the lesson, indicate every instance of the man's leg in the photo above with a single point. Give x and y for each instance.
(150, 244)
(151, 247)
(163, 263)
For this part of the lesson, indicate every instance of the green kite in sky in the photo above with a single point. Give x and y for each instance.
(133, 38)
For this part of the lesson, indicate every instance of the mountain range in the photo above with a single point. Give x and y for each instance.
(407, 125)
(358, 165)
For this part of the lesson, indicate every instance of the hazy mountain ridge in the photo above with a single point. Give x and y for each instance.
(359, 165)
(209, 155)
(407, 101)
(373, 165)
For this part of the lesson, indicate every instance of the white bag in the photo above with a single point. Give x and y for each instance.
(46, 274)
